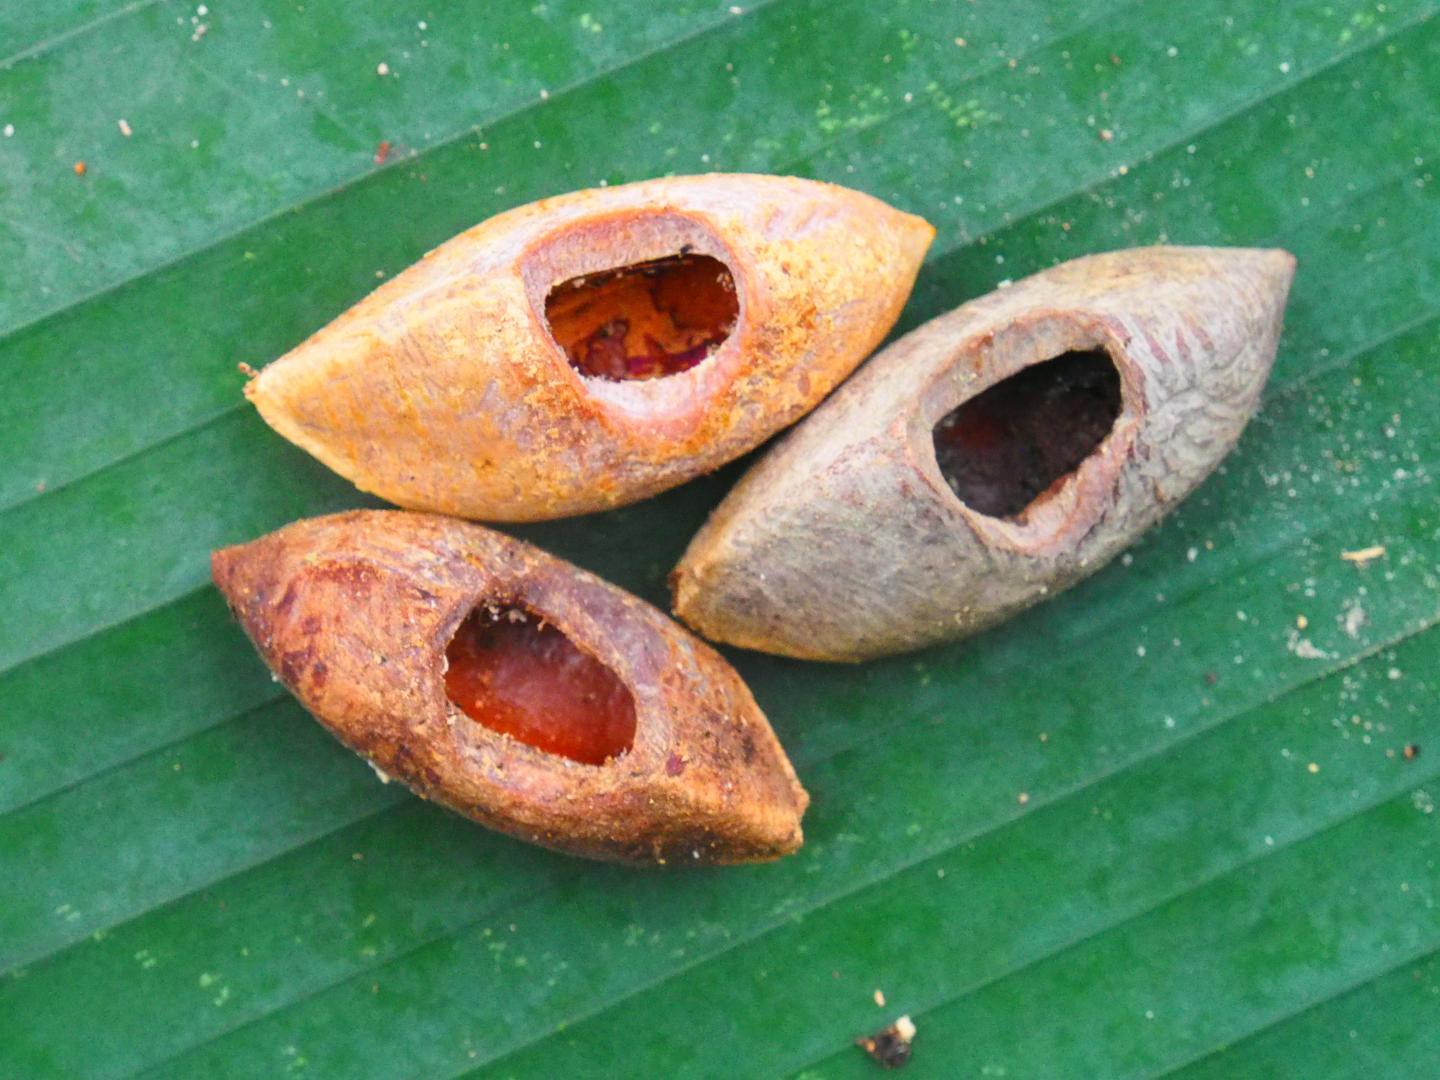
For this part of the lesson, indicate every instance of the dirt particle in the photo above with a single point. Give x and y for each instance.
(1411, 751)
(890, 1047)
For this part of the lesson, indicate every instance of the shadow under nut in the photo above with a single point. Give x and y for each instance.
(593, 349)
(848, 540)
(360, 614)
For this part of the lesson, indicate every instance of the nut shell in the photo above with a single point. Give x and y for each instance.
(353, 612)
(846, 542)
(444, 389)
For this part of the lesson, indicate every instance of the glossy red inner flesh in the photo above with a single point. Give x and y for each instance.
(644, 321)
(1004, 448)
(524, 678)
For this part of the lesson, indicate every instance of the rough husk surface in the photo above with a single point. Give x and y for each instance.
(444, 390)
(846, 542)
(353, 612)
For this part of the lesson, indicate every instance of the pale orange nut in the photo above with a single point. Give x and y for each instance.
(991, 458)
(586, 720)
(748, 299)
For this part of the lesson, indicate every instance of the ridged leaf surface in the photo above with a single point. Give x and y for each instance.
(1161, 825)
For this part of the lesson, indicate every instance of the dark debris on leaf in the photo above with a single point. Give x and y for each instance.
(890, 1047)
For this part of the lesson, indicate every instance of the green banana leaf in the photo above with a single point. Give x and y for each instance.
(1165, 824)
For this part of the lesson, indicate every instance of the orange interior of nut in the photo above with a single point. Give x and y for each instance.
(520, 676)
(644, 321)
(1008, 446)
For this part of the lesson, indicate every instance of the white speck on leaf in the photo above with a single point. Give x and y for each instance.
(1355, 618)
(1304, 648)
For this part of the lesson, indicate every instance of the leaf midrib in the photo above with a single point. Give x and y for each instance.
(56, 40)
(1418, 956)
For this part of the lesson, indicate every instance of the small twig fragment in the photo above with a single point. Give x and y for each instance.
(1364, 555)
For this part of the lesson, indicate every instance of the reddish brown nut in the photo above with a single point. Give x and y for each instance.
(516, 689)
(991, 458)
(594, 349)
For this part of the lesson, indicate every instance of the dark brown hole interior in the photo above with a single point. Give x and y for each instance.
(520, 676)
(644, 321)
(1004, 448)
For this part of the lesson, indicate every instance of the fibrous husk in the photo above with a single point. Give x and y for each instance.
(847, 542)
(445, 390)
(354, 611)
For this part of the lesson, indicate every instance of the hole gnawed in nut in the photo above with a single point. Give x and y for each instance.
(1004, 448)
(644, 321)
(516, 674)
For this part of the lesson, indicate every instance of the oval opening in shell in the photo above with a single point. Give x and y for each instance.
(514, 673)
(647, 320)
(1009, 446)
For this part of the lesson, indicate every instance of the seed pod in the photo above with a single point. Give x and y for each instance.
(594, 349)
(991, 458)
(516, 689)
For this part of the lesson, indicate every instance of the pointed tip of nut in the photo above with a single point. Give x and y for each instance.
(792, 841)
(237, 572)
(222, 568)
(922, 230)
(773, 834)
(1269, 270)
(247, 575)
(688, 596)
